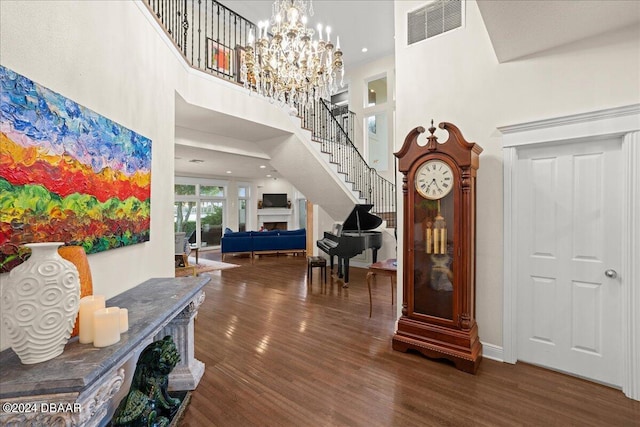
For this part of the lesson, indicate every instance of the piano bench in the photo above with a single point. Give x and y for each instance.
(316, 261)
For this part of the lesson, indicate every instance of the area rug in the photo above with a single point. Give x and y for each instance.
(203, 266)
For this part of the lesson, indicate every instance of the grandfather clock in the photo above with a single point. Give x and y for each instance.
(439, 194)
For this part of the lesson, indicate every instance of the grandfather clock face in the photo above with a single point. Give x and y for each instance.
(433, 236)
(434, 179)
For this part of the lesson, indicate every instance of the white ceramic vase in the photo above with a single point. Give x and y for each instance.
(40, 302)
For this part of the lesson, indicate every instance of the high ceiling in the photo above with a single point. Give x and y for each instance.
(359, 24)
(217, 163)
(521, 28)
(207, 121)
(516, 29)
(204, 159)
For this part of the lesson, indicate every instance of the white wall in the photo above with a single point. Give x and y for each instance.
(272, 185)
(357, 79)
(121, 72)
(279, 185)
(455, 77)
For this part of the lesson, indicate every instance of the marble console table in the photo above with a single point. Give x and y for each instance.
(75, 388)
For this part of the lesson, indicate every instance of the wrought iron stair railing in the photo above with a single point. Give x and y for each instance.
(322, 119)
(211, 38)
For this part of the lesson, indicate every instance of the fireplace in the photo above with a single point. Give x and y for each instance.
(275, 225)
(276, 219)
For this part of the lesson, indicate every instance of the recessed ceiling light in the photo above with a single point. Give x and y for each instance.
(262, 166)
(364, 49)
(269, 176)
(228, 171)
(196, 161)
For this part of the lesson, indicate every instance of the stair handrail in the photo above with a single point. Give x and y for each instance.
(370, 185)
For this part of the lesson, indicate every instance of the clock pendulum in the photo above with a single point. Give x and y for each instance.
(436, 237)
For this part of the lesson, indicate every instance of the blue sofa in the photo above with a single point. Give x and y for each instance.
(255, 242)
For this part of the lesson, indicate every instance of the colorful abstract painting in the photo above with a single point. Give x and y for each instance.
(67, 173)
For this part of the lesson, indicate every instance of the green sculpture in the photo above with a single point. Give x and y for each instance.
(148, 403)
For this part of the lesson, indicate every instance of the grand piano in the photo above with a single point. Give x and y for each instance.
(352, 238)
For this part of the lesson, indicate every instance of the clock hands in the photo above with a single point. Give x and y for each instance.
(433, 181)
(437, 186)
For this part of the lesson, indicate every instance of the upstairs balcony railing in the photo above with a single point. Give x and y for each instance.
(212, 37)
(209, 35)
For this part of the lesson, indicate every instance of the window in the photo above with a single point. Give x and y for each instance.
(302, 209)
(185, 190)
(211, 190)
(199, 208)
(243, 199)
(184, 216)
(211, 222)
(376, 92)
(377, 142)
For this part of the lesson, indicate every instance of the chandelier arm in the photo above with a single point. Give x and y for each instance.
(285, 64)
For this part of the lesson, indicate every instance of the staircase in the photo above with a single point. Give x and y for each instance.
(199, 28)
(319, 118)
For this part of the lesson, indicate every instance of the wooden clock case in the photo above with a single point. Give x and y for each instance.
(446, 328)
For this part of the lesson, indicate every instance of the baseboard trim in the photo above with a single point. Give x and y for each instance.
(493, 352)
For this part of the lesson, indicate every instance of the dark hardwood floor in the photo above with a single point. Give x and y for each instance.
(281, 353)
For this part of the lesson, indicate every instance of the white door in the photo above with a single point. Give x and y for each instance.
(570, 210)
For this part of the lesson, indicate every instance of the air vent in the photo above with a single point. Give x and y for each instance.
(435, 18)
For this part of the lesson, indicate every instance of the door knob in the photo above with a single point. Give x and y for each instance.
(611, 274)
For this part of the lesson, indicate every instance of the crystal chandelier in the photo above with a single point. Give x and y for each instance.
(290, 67)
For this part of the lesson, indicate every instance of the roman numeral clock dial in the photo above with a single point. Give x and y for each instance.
(434, 179)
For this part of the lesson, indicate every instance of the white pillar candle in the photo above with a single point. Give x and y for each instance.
(124, 320)
(88, 305)
(106, 326)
